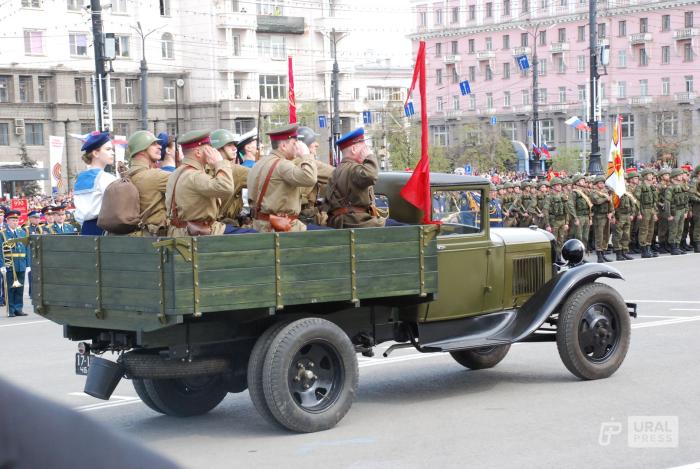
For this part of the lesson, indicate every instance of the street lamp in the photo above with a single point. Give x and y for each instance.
(179, 83)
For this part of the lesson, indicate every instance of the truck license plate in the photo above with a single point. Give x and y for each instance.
(82, 363)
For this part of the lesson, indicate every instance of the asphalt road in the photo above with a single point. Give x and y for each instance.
(423, 410)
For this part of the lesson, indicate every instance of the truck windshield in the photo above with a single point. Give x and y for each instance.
(458, 210)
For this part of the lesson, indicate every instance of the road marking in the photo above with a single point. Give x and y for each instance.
(695, 465)
(664, 317)
(685, 309)
(44, 321)
(665, 322)
(665, 301)
(107, 405)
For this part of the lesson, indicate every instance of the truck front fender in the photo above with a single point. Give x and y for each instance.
(547, 299)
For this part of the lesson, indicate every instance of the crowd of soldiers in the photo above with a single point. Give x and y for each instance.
(658, 213)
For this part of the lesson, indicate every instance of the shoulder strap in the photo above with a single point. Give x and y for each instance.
(258, 203)
(173, 206)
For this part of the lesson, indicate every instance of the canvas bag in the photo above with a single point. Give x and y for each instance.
(120, 212)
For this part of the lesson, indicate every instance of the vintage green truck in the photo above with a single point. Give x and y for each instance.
(189, 320)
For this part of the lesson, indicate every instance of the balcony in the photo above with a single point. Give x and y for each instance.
(640, 38)
(280, 24)
(236, 20)
(524, 110)
(486, 55)
(451, 59)
(687, 97)
(558, 108)
(453, 114)
(558, 47)
(685, 33)
(640, 100)
(237, 63)
(518, 51)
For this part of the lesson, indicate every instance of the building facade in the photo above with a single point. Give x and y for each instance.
(649, 78)
(231, 56)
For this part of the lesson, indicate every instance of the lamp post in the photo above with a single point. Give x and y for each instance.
(144, 73)
(179, 83)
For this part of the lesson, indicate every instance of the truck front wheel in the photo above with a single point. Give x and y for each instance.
(593, 331)
(310, 375)
(185, 397)
(481, 358)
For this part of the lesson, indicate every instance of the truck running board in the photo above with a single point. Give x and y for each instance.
(472, 332)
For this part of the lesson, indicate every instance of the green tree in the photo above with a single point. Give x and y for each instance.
(566, 159)
(29, 188)
(485, 148)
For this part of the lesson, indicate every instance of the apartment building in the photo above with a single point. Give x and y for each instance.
(650, 79)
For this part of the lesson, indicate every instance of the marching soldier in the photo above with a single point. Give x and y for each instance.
(646, 194)
(685, 181)
(276, 184)
(557, 213)
(582, 206)
(232, 206)
(602, 214)
(60, 227)
(541, 197)
(676, 206)
(663, 186)
(694, 196)
(526, 205)
(625, 212)
(19, 264)
(632, 182)
(350, 191)
(192, 196)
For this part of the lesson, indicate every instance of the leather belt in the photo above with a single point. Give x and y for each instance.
(266, 216)
(351, 209)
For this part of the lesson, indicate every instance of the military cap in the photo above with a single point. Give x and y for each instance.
(307, 135)
(675, 172)
(222, 137)
(48, 210)
(598, 179)
(248, 137)
(507, 185)
(284, 132)
(663, 171)
(194, 139)
(34, 213)
(554, 180)
(140, 141)
(94, 141)
(632, 174)
(357, 135)
(12, 214)
(59, 208)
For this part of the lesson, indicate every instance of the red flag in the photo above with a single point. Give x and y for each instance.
(292, 97)
(550, 174)
(417, 189)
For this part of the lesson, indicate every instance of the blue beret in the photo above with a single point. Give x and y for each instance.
(163, 140)
(348, 139)
(94, 141)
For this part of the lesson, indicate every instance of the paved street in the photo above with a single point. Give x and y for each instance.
(422, 410)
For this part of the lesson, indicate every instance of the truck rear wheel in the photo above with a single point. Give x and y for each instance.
(481, 358)
(142, 392)
(186, 397)
(593, 331)
(310, 375)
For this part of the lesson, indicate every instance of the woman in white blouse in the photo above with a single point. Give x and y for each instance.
(91, 183)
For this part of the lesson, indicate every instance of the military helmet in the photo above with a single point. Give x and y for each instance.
(675, 172)
(554, 180)
(525, 184)
(646, 171)
(576, 178)
(632, 174)
(696, 171)
(543, 182)
(508, 185)
(663, 171)
(566, 181)
(140, 141)
(598, 179)
(221, 137)
(492, 187)
(306, 135)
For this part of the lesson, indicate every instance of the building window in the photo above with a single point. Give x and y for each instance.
(455, 15)
(689, 83)
(122, 46)
(665, 86)
(542, 38)
(455, 103)
(667, 124)
(542, 96)
(438, 76)
(688, 52)
(167, 49)
(274, 47)
(622, 28)
(236, 45)
(121, 128)
(113, 86)
(602, 31)
(542, 65)
(581, 33)
(644, 87)
(489, 10)
(438, 17)
(489, 100)
(523, 39)
(506, 7)
(472, 12)
(119, 7)
(439, 135)
(4, 133)
(544, 4)
(581, 92)
(506, 41)
(87, 127)
(688, 19)
(665, 23)
(561, 34)
(74, 5)
(472, 73)
(440, 105)
(643, 25)
(31, 3)
(472, 102)
(273, 86)
(525, 97)
(643, 57)
(422, 18)
(169, 89)
(471, 48)
(627, 125)
(25, 89)
(43, 89)
(488, 73)
(506, 70)
(438, 49)
(562, 94)
(129, 91)
(5, 89)
(621, 89)
(561, 65)
(506, 99)
(33, 42)
(164, 7)
(622, 58)
(78, 44)
(524, 6)
(455, 75)
(238, 89)
(34, 134)
(547, 130)
(489, 43)
(79, 84)
(455, 47)
(665, 55)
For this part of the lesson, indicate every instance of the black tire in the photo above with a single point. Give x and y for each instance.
(310, 375)
(255, 371)
(481, 358)
(142, 392)
(186, 397)
(593, 331)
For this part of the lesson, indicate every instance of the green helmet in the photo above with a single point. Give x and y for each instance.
(632, 174)
(663, 172)
(139, 141)
(524, 184)
(646, 171)
(675, 172)
(221, 137)
(598, 179)
(554, 180)
(696, 171)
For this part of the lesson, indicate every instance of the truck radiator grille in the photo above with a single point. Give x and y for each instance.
(528, 275)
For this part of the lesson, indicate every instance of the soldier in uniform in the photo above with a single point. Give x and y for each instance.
(60, 227)
(145, 153)
(311, 204)
(582, 206)
(557, 213)
(276, 184)
(34, 228)
(49, 217)
(350, 191)
(689, 214)
(541, 198)
(508, 198)
(192, 196)
(625, 213)
(676, 206)
(694, 197)
(525, 205)
(495, 210)
(663, 186)
(646, 195)
(632, 182)
(20, 264)
(602, 214)
(232, 206)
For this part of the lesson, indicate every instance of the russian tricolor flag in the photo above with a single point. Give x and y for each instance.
(577, 123)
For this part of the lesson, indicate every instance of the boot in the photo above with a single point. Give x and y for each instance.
(600, 257)
(646, 252)
(697, 246)
(618, 256)
(675, 251)
(655, 248)
(663, 248)
(684, 246)
(653, 253)
(627, 258)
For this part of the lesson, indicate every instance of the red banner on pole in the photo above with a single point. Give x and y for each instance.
(23, 206)
(292, 97)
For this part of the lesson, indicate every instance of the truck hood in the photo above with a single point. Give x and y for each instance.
(514, 238)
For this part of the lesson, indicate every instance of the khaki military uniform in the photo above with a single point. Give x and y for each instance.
(288, 184)
(557, 213)
(197, 194)
(151, 184)
(627, 209)
(231, 206)
(664, 213)
(310, 212)
(602, 206)
(582, 207)
(541, 221)
(647, 197)
(694, 198)
(350, 195)
(676, 205)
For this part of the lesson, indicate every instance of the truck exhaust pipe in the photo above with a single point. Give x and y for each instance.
(103, 377)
